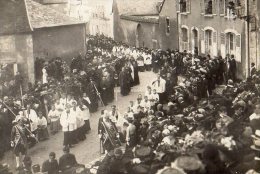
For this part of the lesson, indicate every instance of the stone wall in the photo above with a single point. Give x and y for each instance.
(64, 41)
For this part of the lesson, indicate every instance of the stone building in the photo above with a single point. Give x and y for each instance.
(29, 30)
(135, 24)
(101, 18)
(216, 27)
(168, 25)
(16, 48)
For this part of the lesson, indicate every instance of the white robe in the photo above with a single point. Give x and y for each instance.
(33, 119)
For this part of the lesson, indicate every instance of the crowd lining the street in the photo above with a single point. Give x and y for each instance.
(173, 127)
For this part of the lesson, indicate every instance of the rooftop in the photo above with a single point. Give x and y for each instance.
(42, 16)
(14, 17)
(137, 7)
(154, 19)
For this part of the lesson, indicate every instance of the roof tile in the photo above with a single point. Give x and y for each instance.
(42, 16)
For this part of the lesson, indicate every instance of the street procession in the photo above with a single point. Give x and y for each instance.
(116, 87)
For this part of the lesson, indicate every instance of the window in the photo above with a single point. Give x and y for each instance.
(231, 8)
(208, 34)
(167, 25)
(184, 32)
(230, 41)
(208, 7)
(208, 41)
(183, 6)
(184, 39)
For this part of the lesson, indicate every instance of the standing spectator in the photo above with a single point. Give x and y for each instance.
(160, 86)
(253, 70)
(51, 165)
(233, 68)
(42, 131)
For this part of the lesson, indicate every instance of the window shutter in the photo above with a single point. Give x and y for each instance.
(221, 7)
(177, 4)
(202, 41)
(223, 44)
(214, 47)
(238, 48)
(214, 6)
(202, 6)
(188, 4)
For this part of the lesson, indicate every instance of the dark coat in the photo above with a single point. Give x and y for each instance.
(50, 167)
(67, 161)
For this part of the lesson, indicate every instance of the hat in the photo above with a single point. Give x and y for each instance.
(188, 163)
(166, 132)
(256, 135)
(140, 169)
(118, 152)
(169, 170)
(256, 145)
(142, 151)
(169, 140)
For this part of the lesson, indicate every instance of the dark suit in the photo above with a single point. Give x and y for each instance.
(233, 69)
(50, 167)
(67, 161)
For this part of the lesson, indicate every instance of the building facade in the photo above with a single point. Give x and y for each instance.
(101, 18)
(218, 28)
(30, 29)
(168, 25)
(16, 49)
(54, 34)
(135, 25)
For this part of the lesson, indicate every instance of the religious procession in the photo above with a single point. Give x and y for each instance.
(129, 87)
(179, 124)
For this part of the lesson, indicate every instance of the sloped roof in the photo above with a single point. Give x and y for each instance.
(153, 19)
(42, 16)
(14, 17)
(137, 7)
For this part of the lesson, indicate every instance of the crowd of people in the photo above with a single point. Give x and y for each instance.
(188, 126)
(181, 127)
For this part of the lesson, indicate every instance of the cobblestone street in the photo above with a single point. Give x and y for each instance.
(88, 150)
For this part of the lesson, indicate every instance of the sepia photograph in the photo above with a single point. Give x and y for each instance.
(129, 87)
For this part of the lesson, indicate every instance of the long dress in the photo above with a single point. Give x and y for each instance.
(136, 75)
(124, 81)
(91, 91)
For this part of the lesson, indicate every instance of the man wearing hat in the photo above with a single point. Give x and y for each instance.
(131, 136)
(19, 142)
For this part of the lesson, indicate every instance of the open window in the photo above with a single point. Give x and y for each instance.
(208, 7)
